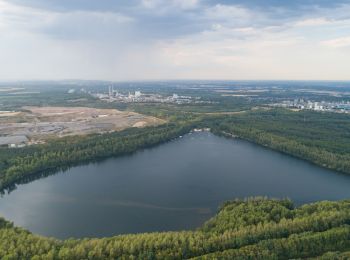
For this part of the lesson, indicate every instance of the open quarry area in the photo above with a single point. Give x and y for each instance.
(37, 124)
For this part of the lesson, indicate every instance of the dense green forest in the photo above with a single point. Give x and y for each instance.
(255, 228)
(321, 138)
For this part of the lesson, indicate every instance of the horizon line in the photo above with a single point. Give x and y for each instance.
(162, 80)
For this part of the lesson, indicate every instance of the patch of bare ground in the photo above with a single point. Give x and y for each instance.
(42, 123)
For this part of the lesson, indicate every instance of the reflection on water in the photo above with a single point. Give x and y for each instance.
(150, 206)
(174, 186)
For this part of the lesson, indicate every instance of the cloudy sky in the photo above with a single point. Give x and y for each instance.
(174, 39)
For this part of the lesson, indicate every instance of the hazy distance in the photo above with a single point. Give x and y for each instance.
(174, 39)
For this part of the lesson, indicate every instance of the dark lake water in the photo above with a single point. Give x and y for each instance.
(174, 186)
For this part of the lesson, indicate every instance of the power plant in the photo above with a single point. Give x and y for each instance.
(138, 96)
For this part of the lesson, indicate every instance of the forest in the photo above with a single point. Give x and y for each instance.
(254, 228)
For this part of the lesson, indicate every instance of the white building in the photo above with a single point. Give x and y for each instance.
(137, 94)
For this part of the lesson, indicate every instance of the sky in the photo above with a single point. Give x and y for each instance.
(175, 39)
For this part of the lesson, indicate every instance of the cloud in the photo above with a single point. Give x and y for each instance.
(151, 3)
(313, 22)
(227, 13)
(17, 19)
(159, 39)
(243, 43)
(22, 18)
(338, 42)
(168, 5)
(187, 4)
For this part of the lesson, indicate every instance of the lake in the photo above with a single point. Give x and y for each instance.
(174, 186)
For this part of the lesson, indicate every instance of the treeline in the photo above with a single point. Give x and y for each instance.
(321, 138)
(18, 164)
(256, 228)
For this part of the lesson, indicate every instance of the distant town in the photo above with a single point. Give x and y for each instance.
(138, 97)
(302, 104)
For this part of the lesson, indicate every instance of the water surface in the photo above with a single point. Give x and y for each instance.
(174, 186)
